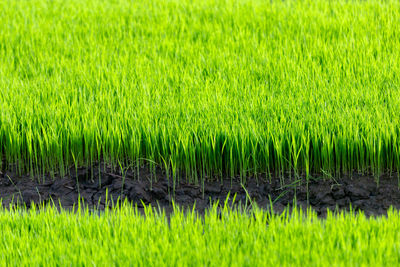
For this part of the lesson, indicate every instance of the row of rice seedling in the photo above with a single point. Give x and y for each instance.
(215, 87)
(125, 236)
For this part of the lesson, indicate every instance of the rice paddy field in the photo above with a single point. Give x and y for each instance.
(200, 91)
(124, 237)
(205, 87)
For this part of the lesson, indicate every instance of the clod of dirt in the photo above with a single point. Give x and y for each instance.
(357, 192)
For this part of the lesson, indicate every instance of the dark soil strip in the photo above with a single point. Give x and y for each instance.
(362, 192)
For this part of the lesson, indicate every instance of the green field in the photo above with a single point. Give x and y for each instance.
(202, 87)
(125, 237)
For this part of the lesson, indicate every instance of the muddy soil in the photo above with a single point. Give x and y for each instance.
(362, 192)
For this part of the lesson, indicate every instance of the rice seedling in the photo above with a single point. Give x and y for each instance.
(226, 237)
(208, 88)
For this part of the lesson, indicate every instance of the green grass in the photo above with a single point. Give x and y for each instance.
(205, 87)
(122, 237)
